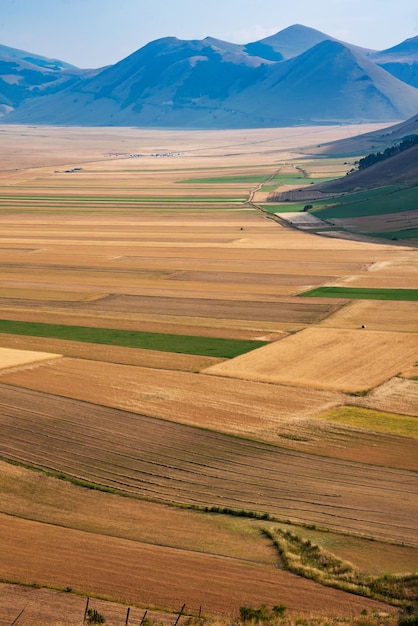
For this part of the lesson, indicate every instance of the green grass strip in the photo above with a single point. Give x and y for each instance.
(183, 344)
(361, 293)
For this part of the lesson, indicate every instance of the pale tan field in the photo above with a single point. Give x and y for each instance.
(131, 242)
(55, 148)
(327, 358)
(10, 358)
(398, 272)
(384, 315)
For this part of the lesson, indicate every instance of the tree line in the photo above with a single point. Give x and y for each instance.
(373, 158)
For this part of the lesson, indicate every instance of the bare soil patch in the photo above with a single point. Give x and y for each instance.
(339, 359)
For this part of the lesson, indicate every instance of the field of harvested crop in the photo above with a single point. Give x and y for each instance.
(122, 282)
(327, 358)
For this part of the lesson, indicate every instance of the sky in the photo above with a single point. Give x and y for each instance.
(95, 33)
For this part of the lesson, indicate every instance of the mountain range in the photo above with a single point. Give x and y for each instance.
(295, 77)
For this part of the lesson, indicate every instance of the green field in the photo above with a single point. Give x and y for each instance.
(408, 233)
(275, 181)
(183, 344)
(361, 293)
(371, 202)
(228, 179)
(296, 207)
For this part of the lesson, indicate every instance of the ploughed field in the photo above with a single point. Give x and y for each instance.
(159, 370)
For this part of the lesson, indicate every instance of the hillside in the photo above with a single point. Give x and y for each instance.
(368, 142)
(380, 200)
(400, 169)
(340, 83)
(24, 76)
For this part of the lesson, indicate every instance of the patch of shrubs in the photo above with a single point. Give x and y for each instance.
(94, 617)
(263, 614)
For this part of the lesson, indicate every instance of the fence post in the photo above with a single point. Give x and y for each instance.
(85, 610)
(18, 617)
(143, 618)
(179, 615)
(127, 616)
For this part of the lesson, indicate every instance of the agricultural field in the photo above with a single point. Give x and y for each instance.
(171, 409)
(345, 360)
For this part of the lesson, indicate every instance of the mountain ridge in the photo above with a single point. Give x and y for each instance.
(297, 76)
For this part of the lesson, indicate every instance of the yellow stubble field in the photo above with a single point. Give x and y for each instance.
(126, 243)
(327, 358)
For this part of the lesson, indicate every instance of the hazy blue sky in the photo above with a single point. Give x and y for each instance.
(93, 33)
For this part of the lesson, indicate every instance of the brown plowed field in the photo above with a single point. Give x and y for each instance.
(138, 573)
(176, 463)
(298, 312)
(327, 358)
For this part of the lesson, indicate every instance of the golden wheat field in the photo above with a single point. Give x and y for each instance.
(150, 474)
(340, 359)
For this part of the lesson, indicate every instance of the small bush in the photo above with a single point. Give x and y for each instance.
(94, 617)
